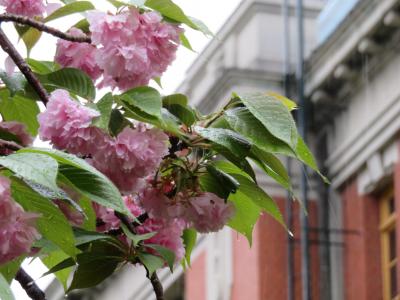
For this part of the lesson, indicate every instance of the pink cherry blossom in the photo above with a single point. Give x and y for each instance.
(159, 206)
(29, 8)
(17, 227)
(78, 55)
(19, 130)
(127, 159)
(133, 47)
(168, 234)
(107, 218)
(66, 124)
(131, 157)
(132, 206)
(209, 213)
(75, 217)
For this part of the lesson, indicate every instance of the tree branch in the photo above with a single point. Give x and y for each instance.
(30, 287)
(8, 47)
(10, 145)
(43, 27)
(157, 286)
(125, 220)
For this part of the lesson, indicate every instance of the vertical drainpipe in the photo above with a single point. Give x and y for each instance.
(302, 118)
(289, 206)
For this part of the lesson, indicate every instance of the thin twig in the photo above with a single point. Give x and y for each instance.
(10, 145)
(8, 47)
(43, 27)
(29, 285)
(157, 286)
(125, 220)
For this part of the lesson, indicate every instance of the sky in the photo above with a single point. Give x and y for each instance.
(213, 13)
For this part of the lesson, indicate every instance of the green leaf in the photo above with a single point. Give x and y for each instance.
(41, 67)
(5, 290)
(146, 99)
(248, 191)
(180, 99)
(117, 122)
(35, 167)
(151, 262)
(227, 183)
(241, 120)
(227, 139)
(118, 4)
(89, 181)
(185, 41)
(21, 110)
(84, 236)
(15, 82)
(189, 240)
(274, 115)
(69, 9)
(246, 215)
(75, 81)
(167, 254)
(10, 269)
(242, 163)
(291, 105)
(272, 166)
(177, 105)
(62, 272)
(90, 272)
(201, 27)
(105, 108)
(83, 25)
(90, 220)
(170, 123)
(137, 238)
(29, 35)
(52, 223)
(230, 168)
(170, 10)
(259, 197)
(63, 264)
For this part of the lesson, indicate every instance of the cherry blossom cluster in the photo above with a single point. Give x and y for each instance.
(204, 211)
(17, 227)
(29, 8)
(167, 232)
(19, 131)
(126, 159)
(132, 48)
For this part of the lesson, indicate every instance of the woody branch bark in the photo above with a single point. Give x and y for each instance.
(8, 47)
(43, 27)
(29, 285)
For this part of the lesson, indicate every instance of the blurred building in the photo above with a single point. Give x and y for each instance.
(353, 87)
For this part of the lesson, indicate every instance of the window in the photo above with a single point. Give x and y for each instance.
(388, 240)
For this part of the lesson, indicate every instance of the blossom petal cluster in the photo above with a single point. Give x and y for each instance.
(78, 55)
(19, 131)
(17, 227)
(132, 156)
(132, 47)
(66, 124)
(167, 232)
(126, 159)
(28, 8)
(204, 211)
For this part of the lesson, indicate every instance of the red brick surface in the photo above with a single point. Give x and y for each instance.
(195, 279)
(362, 259)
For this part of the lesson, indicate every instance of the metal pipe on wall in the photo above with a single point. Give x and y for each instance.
(302, 121)
(289, 201)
